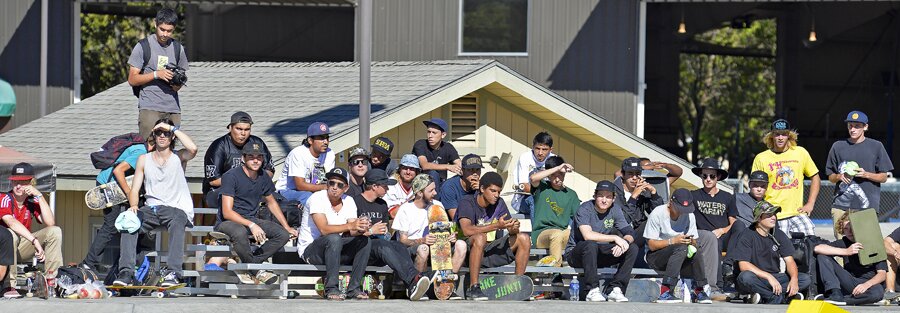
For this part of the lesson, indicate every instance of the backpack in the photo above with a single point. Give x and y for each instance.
(113, 148)
(77, 275)
(145, 47)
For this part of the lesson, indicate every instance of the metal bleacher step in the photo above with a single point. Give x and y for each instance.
(206, 211)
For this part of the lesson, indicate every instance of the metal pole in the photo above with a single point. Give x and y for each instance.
(642, 56)
(76, 51)
(44, 14)
(365, 68)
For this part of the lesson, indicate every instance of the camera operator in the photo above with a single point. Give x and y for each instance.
(151, 73)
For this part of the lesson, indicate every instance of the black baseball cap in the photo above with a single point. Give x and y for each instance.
(338, 173)
(252, 149)
(759, 176)
(22, 171)
(383, 145)
(631, 164)
(781, 124)
(605, 185)
(471, 161)
(378, 176)
(240, 117)
(683, 201)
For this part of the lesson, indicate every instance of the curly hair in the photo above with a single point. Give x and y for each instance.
(769, 139)
(839, 225)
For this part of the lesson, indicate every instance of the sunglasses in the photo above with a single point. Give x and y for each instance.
(160, 132)
(766, 215)
(340, 185)
(359, 162)
(710, 176)
(323, 137)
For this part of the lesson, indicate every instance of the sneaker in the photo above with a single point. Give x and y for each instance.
(11, 293)
(890, 295)
(547, 261)
(595, 295)
(474, 293)
(715, 294)
(266, 277)
(419, 287)
(170, 279)
(755, 298)
(668, 297)
(124, 279)
(212, 267)
(455, 295)
(616, 295)
(797, 296)
(245, 278)
(836, 298)
(702, 298)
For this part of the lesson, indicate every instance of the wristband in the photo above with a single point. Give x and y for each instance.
(251, 225)
(32, 240)
(670, 241)
(154, 75)
(174, 128)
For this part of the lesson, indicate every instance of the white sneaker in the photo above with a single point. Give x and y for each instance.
(245, 278)
(616, 295)
(595, 295)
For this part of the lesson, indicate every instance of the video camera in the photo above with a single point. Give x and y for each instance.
(179, 75)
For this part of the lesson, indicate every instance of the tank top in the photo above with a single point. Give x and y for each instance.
(165, 184)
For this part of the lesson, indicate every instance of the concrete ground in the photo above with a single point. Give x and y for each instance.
(224, 305)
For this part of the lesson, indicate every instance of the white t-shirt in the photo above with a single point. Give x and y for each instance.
(318, 203)
(301, 163)
(526, 165)
(660, 225)
(397, 195)
(412, 220)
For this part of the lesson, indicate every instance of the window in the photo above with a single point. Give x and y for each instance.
(493, 27)
(464, 121)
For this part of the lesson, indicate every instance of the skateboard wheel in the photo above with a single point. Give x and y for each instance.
(29, 295)
(282, 298)
(157, 294)
(29, 275)
(380, 297)
(234, 296)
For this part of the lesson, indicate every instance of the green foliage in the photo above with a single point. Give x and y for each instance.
(495, 26)
(726, 102)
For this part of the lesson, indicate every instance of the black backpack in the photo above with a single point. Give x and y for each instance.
(78, 275)
(145, 47)
(113, 148)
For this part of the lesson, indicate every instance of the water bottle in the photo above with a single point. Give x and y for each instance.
(686, 290)
(574, 289)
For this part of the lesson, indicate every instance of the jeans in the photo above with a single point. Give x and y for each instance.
(836, 277)
(276, 237)
(174, 219)
(591, 255)
(106, 234)
(300, 196)
(332, 251)
(526, 205)
(672, 262)
(748, 282)
(396, 256)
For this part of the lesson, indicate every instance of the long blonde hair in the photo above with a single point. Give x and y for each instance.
(839, 225)
(769, 140)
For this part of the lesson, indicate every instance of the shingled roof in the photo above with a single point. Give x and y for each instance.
(283, 98)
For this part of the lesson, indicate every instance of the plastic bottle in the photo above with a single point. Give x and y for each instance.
(686, 291)
(574, 288)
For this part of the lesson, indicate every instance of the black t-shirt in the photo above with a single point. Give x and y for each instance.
(445, 154)
(852, 264)
(469, 209)
(376, 211)
(389, 166)
(223, 155)
(895, 235)
(354, 189)
(763, 252)
(247, 193)
(713, 212)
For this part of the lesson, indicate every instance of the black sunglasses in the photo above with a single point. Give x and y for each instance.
(358, 162)
(340, 185)
(705, 176)
(160, 132)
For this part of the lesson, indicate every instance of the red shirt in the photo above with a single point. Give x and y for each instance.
(9, 206)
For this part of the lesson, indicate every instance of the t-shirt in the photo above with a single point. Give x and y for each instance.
(318, 203)
(354, 189)
(763, 252)
(611, 222)
(553, 209)
(397, 194)
(526, 166)
(413, 220)
(222, 155)
(660, 225)
(451, 192)
(860, 193)
(895, 235)
(713, 212)
(247, 192)
(31, 208)
(786, 171)
(377, 211)
(480, 216)
(745, 204)
(444, 154)
(389, 166)
(852, 264)
(158, 95)
(301, 163)
(130, 155)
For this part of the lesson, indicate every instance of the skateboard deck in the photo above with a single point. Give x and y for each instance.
(642, 290)
(441, 252)
(371, 286)
(106, 195)
(507, 287)
(867, 232)
(156, 291)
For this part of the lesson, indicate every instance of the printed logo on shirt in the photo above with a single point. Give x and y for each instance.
(210, 170)
(711, 208)
(608, 223)
(235, 162)
(161, 62)
(774, 248)
(553, 206)
(785, 177)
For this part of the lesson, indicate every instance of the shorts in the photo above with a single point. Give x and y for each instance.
(797, 224)
(496, 253)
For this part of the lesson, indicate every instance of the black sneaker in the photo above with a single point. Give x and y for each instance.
(170, 279)
(418, 287)
(836, 297)
(474, 293)
(124, 278)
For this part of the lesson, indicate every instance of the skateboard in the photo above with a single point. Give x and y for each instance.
(155, 291)
(106, 195)
(223, 239)
(371, 286)
(441, 252)
(642, 290)
(507, 287)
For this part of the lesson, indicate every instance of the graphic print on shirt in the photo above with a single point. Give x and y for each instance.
(785, 177)
(849, 192)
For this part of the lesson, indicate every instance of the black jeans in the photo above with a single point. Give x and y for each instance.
(591, 255)
(276, 237)
(748, 282)
(673, 262)
(836, 277)
(152, 217)
(332, 251)
(396, 256)
(106, 234)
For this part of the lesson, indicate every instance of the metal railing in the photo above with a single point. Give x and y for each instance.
(889, 208)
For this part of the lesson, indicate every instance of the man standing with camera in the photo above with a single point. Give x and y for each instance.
(156, 72)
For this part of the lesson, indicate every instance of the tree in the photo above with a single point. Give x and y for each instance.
(726, 102)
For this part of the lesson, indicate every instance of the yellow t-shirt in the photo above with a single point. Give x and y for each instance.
(785, 187)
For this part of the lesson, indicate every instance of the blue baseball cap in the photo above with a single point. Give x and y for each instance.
(410, 160)
(317, 129)
(439, 123)
(857, 116)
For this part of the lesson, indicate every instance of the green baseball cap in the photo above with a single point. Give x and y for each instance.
(764, 207)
